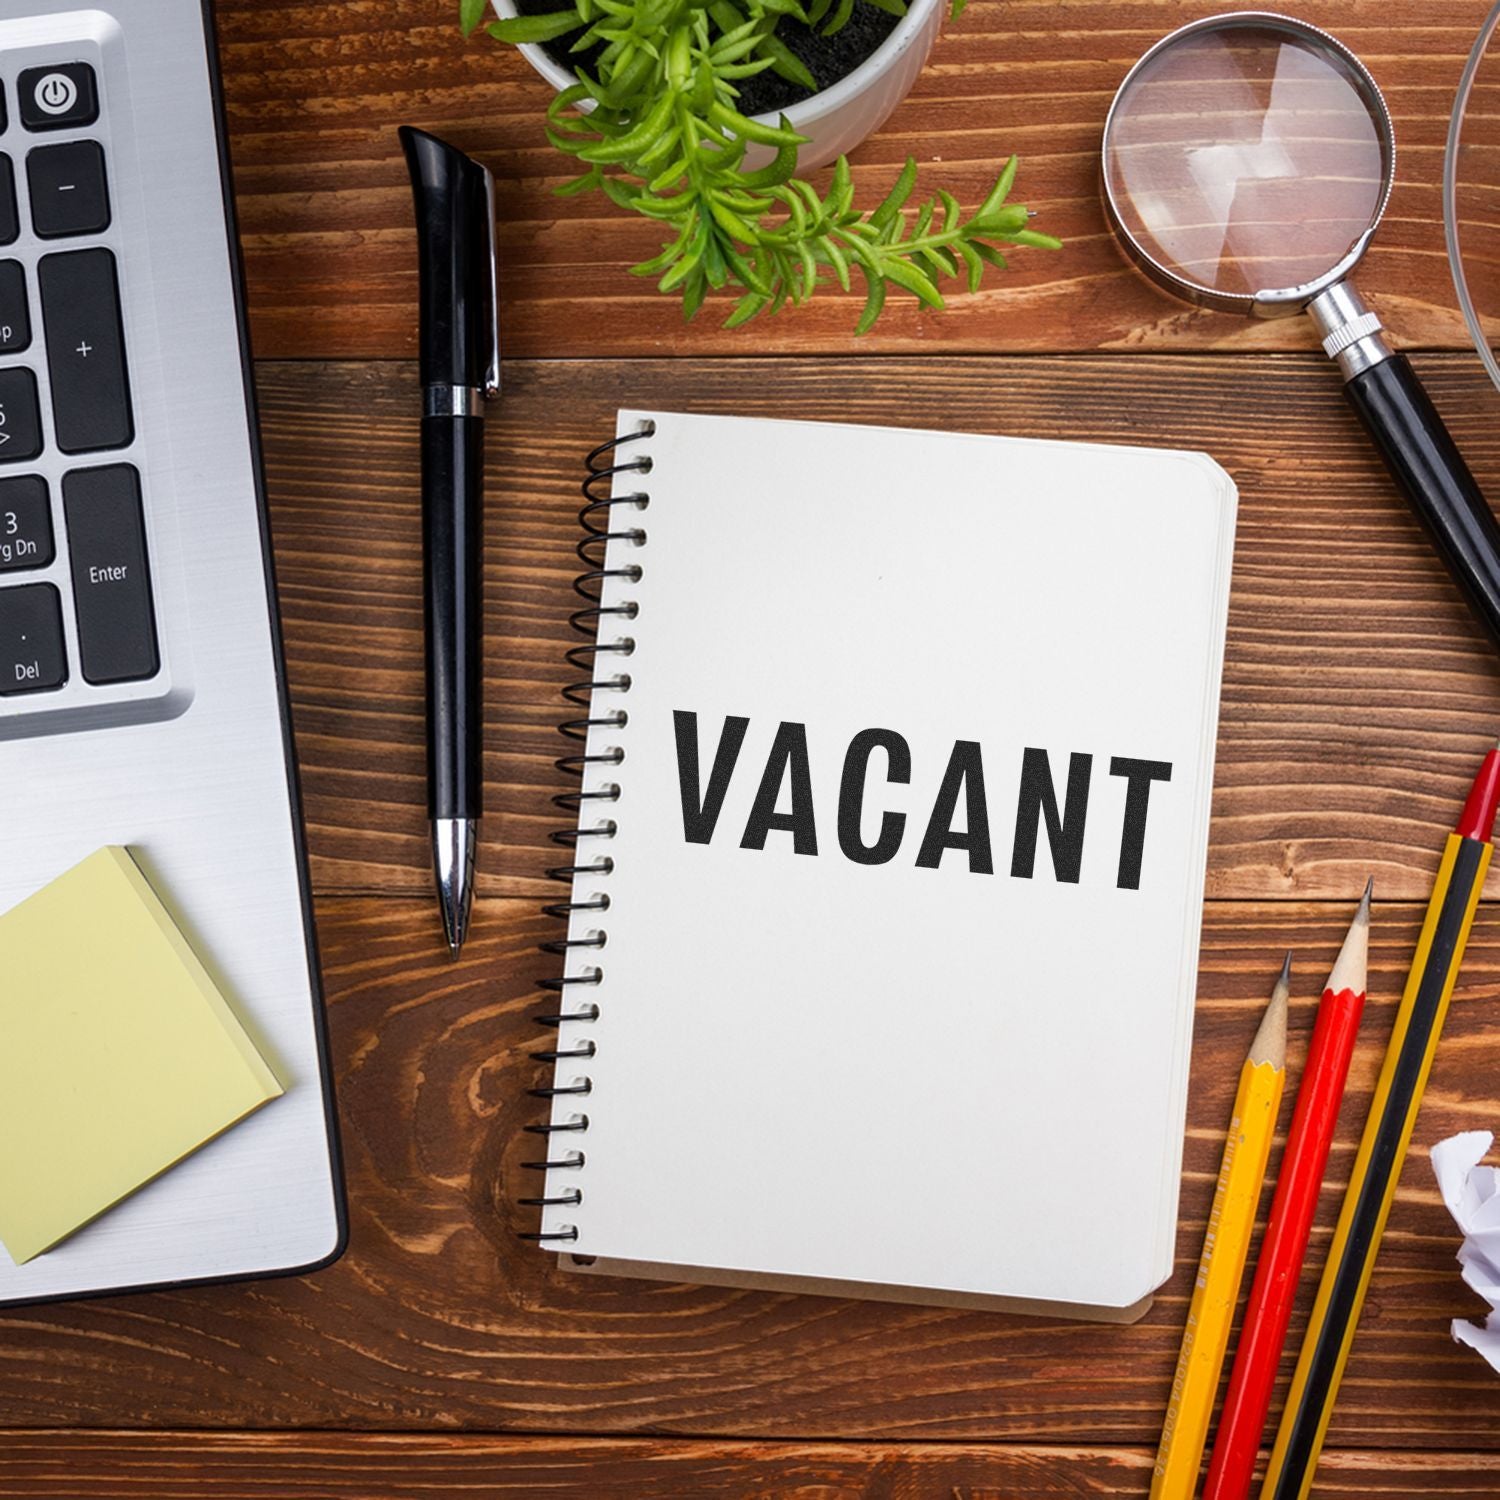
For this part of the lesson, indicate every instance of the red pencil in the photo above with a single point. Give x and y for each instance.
(1269, 1309)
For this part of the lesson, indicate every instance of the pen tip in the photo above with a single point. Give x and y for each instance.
(1363, 914)
(1286, 970)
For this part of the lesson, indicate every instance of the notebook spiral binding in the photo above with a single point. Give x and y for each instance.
(605, 465)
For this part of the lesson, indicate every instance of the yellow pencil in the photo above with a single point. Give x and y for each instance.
(1226, 1246)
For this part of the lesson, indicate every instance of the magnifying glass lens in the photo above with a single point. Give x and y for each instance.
(1246, 159)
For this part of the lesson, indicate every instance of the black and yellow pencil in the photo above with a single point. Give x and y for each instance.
(1382, 1149)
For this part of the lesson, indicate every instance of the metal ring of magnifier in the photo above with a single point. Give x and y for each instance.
(1272, 302)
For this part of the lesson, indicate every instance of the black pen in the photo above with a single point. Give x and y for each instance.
(460, 371)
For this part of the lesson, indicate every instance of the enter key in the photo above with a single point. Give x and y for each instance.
(111, 574)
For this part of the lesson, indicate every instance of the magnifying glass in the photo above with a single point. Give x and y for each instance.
(1247, 161)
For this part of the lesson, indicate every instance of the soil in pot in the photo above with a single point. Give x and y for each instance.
(827, 58)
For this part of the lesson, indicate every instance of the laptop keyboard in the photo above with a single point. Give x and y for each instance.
(60, 314)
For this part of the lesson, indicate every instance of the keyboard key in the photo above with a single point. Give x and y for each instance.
(111, 576)
(85, 350)
(25, 523)
(20, 417)
(57, 96)
(15, 315)
(10, 218)
(4, 118)
(32, 656)
(68, 192)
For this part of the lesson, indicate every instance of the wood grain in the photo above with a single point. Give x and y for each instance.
(1358, 694)
(388, 1466)
(438, 1318)
(315, 92)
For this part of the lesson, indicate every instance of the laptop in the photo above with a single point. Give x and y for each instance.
(142, 692)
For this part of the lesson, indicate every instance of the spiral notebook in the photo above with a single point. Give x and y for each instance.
(896, 753)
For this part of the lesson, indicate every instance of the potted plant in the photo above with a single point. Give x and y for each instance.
(696, 113)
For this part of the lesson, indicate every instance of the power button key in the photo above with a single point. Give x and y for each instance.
(58, 96)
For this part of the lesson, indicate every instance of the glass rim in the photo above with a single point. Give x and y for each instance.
(1268, 301)
(1450, 195)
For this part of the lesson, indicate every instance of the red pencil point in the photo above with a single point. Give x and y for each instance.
(1478, 820)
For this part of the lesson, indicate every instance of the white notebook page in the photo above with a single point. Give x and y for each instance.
(887, 1072)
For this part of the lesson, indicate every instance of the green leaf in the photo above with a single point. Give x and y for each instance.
(576, 185)
(786, 62)
(567, 99)
(1036, 240)
(1001, 190)
(839, 262)
(777, 171)
(620, 192)
(668, 255)
(745, 70)
(970, 257)
(989, 254)
(535, 28)
(809, 269)
(746, 308)
(743, 268)
(747, 129)
(470, 14)
(743, 203)
(669, 176)
(693, 294)
(690, 265)
(661, 150)
(904, 274)
(941, 260)
(840, 190)
(713, 261)
(895, 200)
(1009, 219)
(810, 197)
(635, 141)
(731, 223)
(874, 301)
(840, 18)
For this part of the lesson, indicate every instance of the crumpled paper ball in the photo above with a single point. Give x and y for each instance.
(1472, 1193)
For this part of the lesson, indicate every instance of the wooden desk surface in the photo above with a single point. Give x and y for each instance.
(440, 1356)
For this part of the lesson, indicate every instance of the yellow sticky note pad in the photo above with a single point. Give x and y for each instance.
(119, 1056)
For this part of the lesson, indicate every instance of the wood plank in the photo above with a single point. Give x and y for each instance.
(439, 1318)
(1358, 695)
(314, 95)
(388, 1466)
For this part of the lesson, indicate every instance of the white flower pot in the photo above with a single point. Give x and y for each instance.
(839, 118)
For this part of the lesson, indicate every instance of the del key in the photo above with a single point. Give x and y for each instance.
(85, 350)
(111, 577)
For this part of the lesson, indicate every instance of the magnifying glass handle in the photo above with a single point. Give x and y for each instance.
(1425, 462)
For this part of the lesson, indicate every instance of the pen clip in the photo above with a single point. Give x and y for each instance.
(492, 370)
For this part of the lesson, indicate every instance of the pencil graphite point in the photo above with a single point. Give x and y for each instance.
(1269, 1045)
(1352, 964)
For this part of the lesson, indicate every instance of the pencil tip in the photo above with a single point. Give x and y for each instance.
(1269, 1045)
(1349, 968)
